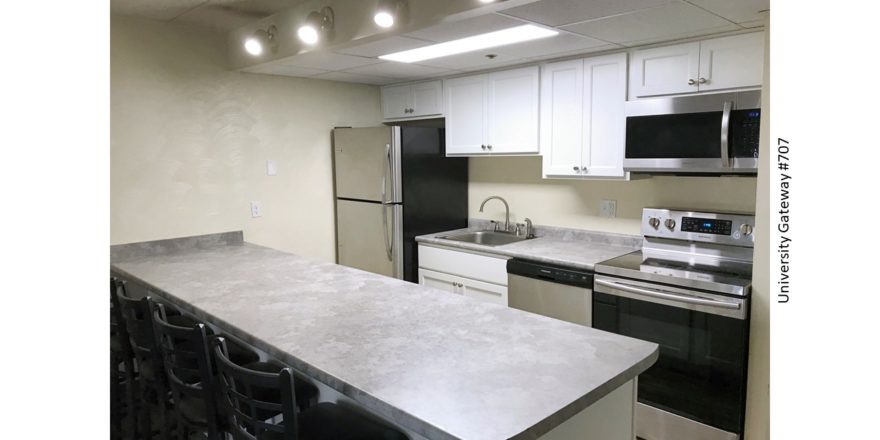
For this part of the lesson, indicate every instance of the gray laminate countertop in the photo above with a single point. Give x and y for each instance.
(566, 247)
(440, 365)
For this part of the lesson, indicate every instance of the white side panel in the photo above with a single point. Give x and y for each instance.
(604, 115)
(611, 418)
(732, 62)
(664, 70)
(464, 264)
(513, 111)
(562, 118)
(395, 101)
(427, 98)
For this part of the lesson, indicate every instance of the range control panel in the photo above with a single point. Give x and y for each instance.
(706, 225)
(709, 227)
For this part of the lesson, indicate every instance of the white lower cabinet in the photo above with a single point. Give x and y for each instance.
(473, 275)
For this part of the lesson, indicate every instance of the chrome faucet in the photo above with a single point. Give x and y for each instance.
(506, 211)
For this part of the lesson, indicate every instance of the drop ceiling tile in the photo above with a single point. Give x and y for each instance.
(465, 28)
(739, 11)
(562, 12)
(155, 9)
(355, 78)
(384, 47)
(401, 70)
(663, 23)
(473, 61)
(323, 60)
(281, 69)
(564, 42)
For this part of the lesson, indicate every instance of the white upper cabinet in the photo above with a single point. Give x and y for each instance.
(582, 117)
(732, 62)
(466, 115)
(717, 64)
(417, 100)
(665, 70)
(513, 111)
(495, 113)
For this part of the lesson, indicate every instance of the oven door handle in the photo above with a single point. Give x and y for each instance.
(668, 295)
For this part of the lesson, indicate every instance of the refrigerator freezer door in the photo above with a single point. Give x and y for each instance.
(366, 164)
(368, 236)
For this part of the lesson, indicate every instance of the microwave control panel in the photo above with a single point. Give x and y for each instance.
(745, 132)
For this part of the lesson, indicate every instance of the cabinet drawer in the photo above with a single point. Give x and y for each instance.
(464, 264)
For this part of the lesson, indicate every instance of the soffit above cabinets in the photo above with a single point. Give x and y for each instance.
(585, 27)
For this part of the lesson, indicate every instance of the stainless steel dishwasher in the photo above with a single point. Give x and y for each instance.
(555, 291)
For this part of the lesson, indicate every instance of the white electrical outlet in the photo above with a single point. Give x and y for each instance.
(608, 209)
(256, 209)
(271, 167)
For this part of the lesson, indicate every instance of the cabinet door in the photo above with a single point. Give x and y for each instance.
(396, 100)
(466, 115)
(732, 62)
(439, 280)
(665, 70)
(562, 107)
(427, 98)
(484, 291)
(604, 115)
(513, 111)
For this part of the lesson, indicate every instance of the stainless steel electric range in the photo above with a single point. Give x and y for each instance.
(687, 290)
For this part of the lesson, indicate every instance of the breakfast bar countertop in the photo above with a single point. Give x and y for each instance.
(443, 366)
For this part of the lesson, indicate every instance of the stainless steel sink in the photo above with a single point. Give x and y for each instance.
(487, 238)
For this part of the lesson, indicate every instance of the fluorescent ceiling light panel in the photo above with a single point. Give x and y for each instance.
(477, 42)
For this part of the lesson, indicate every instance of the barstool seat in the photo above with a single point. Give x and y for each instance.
(306, 393)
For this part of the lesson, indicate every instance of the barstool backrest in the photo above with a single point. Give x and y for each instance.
(184, 351)
(239, 387)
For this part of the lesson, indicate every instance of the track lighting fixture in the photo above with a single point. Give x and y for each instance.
(318, 26)
(389, 12)
(261, 40)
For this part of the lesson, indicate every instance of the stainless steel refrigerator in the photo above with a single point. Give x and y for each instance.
(393, 184)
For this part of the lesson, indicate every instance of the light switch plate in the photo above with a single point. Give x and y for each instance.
(608, 209)
(256, 209)
(271, 167)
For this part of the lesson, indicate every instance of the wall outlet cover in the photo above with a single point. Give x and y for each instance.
(271, 167)
(608, 209)
(256, 209)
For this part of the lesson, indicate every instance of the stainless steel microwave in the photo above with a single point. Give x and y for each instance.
(705, 134)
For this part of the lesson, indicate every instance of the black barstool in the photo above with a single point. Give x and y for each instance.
(252, 418)
(122, 414)
(151, 387)
(188, 369)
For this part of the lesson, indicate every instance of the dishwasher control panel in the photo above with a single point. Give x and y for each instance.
(551, 273)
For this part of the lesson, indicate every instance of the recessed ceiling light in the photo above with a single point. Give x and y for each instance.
(477, 42)
(388, 12)
(384, 19)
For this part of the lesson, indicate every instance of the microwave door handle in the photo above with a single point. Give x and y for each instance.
(668, 295)
(725, 131)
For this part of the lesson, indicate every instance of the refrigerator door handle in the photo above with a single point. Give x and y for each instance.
(385, 167)
(388, 242)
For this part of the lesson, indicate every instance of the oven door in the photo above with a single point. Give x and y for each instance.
(697, 387)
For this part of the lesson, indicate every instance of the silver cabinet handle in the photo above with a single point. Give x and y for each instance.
(691, 82)
(489, 147)
(725, 128)
(483, 147)
(702, 81)
(577, 168)
(668, 295)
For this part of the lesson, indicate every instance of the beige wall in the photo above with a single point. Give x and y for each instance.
(575, 204)
(190, 140)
